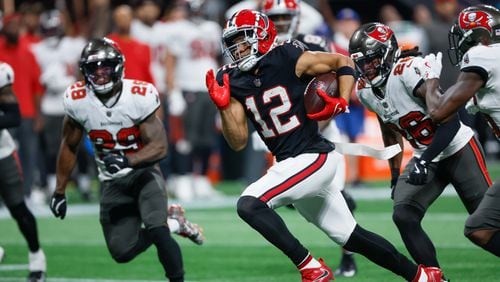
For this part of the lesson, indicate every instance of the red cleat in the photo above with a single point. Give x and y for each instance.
(319, 274)
(428, 274)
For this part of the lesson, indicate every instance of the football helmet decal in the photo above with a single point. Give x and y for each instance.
(474, 24)
(102, 65)
(247, 36)
(374, 49)
(285, 14)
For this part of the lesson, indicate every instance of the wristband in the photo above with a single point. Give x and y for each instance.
(345, 70)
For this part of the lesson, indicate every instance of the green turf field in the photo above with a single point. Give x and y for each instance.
(234, 252)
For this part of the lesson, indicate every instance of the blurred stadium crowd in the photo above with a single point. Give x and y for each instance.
(172, 43)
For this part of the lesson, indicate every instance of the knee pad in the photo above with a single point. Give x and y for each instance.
(248, 205)
(406, 216)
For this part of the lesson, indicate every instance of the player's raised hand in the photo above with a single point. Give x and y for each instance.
(333, 107)
(220, 95)
(430, 67)
(58, 205)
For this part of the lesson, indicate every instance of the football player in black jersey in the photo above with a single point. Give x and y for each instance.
(266, 83)
(285, 16)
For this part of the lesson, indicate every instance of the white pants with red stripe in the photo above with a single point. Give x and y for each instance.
(306, 182)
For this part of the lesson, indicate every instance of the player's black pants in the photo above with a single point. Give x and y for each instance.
(126, 204)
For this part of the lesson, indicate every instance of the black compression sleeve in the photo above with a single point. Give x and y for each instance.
(10, 116)
(442, 138)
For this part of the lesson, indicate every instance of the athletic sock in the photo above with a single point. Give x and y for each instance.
(270, 225)
(27, 225)
(308, 262)
(169, 252)
(380, 251)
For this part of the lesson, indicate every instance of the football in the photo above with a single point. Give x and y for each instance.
(328, 83)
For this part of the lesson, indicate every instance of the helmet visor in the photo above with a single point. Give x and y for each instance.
(100, 72)
(282, 23)
(368, 66)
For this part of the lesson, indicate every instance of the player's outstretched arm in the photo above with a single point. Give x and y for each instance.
(155, 143)
(234, 122)
(234, 125)
(66, 160)
(314, 63)
(445, 105)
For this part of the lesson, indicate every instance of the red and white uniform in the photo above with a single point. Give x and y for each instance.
(113, 129)
(58, 63)
(196, 45)
(407, 113)
(486, 99)
(7, 144)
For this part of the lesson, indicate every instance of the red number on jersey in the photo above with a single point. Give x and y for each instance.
(420, 129)
(102, 139)
(140, 87)
(126, 137)
(78, 90)
(402, 64)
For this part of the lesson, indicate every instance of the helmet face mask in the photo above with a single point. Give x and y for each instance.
(247, 36)
(285, 14)
(102, 65)
(374, 49)
(474, 24)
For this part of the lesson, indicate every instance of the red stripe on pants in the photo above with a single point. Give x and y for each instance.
(293, 180)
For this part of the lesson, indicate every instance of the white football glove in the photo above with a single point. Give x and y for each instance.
(430, 67)
(176, 102)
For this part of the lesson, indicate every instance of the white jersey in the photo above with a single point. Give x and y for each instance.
(58, 61)
(407, 113)
(154, 36)
(113, 129)
(487, 99)
(7, 144)
(196, 46)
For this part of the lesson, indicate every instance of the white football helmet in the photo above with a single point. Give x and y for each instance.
(285, 14)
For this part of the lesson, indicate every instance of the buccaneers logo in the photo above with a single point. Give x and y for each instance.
(381, 33)
(475, 19)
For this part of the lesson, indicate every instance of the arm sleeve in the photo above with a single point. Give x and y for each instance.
(442, 138)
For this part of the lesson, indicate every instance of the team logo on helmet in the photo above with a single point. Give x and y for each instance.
(475, 19)
(381, 33)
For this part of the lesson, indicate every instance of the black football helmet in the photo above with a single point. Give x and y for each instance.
(374, 49)
(474, 24)
(102, 65)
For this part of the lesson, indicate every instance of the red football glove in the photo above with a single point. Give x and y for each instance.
(220, 95)
(333, 107)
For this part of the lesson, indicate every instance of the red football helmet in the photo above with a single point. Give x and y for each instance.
(285, 14)
(247, 36)
(474, 24)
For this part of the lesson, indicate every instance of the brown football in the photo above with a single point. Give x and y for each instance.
(328, 83)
